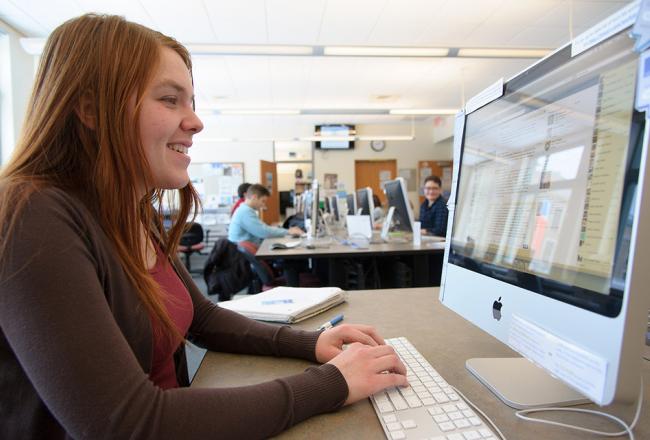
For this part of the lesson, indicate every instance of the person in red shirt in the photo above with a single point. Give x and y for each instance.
(241, 193)
(95, 307)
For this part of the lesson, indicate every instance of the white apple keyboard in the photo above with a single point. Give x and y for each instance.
(428, 408)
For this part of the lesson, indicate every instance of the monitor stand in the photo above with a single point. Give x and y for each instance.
(521, 384)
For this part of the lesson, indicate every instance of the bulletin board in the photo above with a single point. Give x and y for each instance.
(216, 182)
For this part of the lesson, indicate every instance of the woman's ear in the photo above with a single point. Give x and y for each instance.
(85, 110)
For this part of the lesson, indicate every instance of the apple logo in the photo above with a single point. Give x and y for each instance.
(496, 309)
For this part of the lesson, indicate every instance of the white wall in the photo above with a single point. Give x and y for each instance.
(407, 153)
(16, 81)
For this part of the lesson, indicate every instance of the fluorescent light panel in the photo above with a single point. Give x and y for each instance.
(423, 111)
(502, 53)
(244, 49)
(259, 112)
(376, 51)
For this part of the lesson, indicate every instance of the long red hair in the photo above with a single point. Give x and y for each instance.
(104, 60)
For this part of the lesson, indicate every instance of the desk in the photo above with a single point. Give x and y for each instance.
(442, 336)
(425, 260)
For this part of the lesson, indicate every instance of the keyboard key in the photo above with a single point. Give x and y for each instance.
(485, 432)
(428, 401)
(440, 398)
(394, 426)
(413, 402)
(397, 435)
(468, 413)
(446, 426)
(453, 396)
(409, 424)
(462, 405)
(455, 437)
(435, 411)
(475, 421)
(462, 423)
(471, 435)
(385, 407)
(441, 418)
(448, 408)
(390, 418)
(455, 415)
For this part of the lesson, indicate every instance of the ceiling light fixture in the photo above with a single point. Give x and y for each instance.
(376, 51)
(502, 53)
(423, 111)
(261, 112)
(245, 49)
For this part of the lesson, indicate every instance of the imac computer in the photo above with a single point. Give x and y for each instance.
(365, 203)
(547, 250)
(334, 208)
(397, 196)
(352, 204)
(312, 210)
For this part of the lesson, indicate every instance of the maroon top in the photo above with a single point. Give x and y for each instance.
(236, 205)
(76, 346)
(179, 306)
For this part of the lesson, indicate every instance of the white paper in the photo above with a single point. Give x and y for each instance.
(488, 95)
(417, 234)
(359, 225)
(286, 304)
(584, 371)
(611, 25)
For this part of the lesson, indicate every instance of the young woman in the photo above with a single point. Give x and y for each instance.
(94, 305)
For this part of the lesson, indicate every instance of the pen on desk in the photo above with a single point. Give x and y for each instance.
(331, 323)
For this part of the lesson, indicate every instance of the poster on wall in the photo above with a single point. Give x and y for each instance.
(330, 181)
(408, 174)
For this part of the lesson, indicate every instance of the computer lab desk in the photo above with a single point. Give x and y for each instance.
(444, 338)
(425, 260)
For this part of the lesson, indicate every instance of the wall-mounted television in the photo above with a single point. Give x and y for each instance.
(335, 130)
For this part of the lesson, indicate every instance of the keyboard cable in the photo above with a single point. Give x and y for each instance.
(627, 428)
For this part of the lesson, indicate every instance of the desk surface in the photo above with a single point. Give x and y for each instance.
(330, 247)
(442, 336)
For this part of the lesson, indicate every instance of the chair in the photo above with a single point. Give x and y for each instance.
(191, 242)
(265, 278)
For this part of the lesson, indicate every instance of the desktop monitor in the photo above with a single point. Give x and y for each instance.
(313, 210)
(546, 249)
(365, 203)
(398, 198)
(334, 208)
(352, 204)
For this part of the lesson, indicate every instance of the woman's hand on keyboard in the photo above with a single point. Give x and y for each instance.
(368, 369)
(330, 342)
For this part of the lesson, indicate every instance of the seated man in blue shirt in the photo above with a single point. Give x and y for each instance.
(246, 225)
(433, 211)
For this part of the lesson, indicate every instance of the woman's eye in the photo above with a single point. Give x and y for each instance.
(170, 99)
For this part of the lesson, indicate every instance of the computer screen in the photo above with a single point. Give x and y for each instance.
(334, 201)
(543, 223)
(364, 201)
(398, 197)
(352, 204)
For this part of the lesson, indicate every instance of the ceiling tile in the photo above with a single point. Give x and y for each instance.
(22, 20)
(294, 22)
(349, 23)
(49, 17)
(131, 10)
(403, 22)
(188, 23)
(238, 22)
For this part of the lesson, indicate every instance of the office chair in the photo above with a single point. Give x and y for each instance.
(192, 241)
(264, 278)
